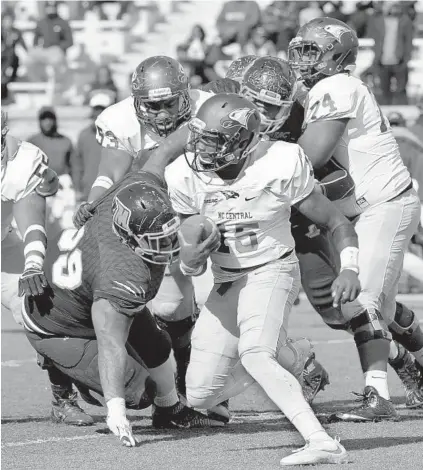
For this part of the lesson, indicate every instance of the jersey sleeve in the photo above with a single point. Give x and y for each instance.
(336, 102)
(108, 130)
(301, 182)
(180, 195)
(124, 288)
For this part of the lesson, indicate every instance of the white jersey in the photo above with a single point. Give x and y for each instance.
(118, 126)
(367, 149)
(252, 211)
(21, 173)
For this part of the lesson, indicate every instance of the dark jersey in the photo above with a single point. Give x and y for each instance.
(292, 127)
(90, 264)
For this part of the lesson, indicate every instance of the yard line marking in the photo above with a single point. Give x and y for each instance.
(52, 439)
(17, 362)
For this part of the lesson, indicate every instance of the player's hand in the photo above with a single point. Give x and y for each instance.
(82, 214)
(195, 255)
(32, 282)
(345, 287)
(121, 428)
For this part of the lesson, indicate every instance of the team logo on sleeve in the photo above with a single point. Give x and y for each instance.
(239, 117)
(121, 215)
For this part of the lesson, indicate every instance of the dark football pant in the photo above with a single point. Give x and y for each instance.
(148, 347)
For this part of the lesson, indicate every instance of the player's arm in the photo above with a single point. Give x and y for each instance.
(320, 139)
(170, 149)
(112, 329)
(323, 212)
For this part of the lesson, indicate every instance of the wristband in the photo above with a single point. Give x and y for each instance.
(34, 261)
(349, 259)
(187, 271)
(103, 182)
(116, 407)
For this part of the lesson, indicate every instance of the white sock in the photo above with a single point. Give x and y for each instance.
(167, 400)
(418, 355)
(379, 380)
(284, 390)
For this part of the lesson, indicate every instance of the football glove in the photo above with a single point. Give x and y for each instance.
(32, 281)
(121, 428)
(82, 214)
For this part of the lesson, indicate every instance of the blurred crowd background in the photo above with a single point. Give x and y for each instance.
(63, 62)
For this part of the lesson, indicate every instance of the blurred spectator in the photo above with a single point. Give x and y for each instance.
(417, 128)
(102, 12)
(59, 149)
(312, 11)
(359, 18)
(52, 38)
(333, 10)
(103, 83)
(258, 43)
(235, 20)
(10, 38)
(392, 30)
(280, 21)
(88, 149)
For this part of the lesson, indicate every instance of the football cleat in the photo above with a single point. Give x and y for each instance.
(220, 412)
(373, 408)
(406, 369)
(67, 411)
(314, 378)
(329, 451)
(180, 416)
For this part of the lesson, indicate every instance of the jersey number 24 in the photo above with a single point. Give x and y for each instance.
(67, 269)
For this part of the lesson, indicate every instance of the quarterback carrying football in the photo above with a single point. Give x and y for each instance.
(244, 186)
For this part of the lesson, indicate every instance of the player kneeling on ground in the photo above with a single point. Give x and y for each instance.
(94, 325)
(246, 187)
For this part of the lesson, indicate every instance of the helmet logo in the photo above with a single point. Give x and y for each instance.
(336, 30)
(239, 117)
(121, 215)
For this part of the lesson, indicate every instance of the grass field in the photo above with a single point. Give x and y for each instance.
(257, 438)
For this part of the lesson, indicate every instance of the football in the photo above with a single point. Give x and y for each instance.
(191, 228)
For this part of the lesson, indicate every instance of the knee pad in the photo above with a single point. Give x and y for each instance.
(405, 328)
(369, 325)
(293, 355)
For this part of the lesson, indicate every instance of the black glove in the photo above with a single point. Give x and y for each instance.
(32, 282)
(82, 214)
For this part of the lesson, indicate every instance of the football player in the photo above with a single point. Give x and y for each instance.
(244, 186)
(282, 119)
(26, 181)
(343, 120)
(129, 131)
(94, 325)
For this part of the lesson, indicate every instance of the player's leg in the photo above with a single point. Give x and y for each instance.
(384, 232)
(151, 346)
(263, 313)
(176, 310)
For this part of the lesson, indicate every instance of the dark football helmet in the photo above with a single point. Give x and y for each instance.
(4, 131)
(269, 83)
(225, 130)
(237, 68)
(323, 47)
(144, 220)
(161, 94)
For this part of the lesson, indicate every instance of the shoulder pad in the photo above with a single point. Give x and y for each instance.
(49, 183)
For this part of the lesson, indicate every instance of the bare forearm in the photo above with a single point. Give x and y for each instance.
(112, 365)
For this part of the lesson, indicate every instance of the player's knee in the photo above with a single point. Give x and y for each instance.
(405, 327)
(158, 354)
(174, 309)
(201, 392)
(252, 357)
(369, 325)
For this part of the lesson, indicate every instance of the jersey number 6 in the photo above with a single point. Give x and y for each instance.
(67, 269)
(244, 236)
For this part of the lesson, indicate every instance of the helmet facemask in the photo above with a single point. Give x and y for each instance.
(153, 247)
(274, 110)
(213, 150)
(163, 112)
